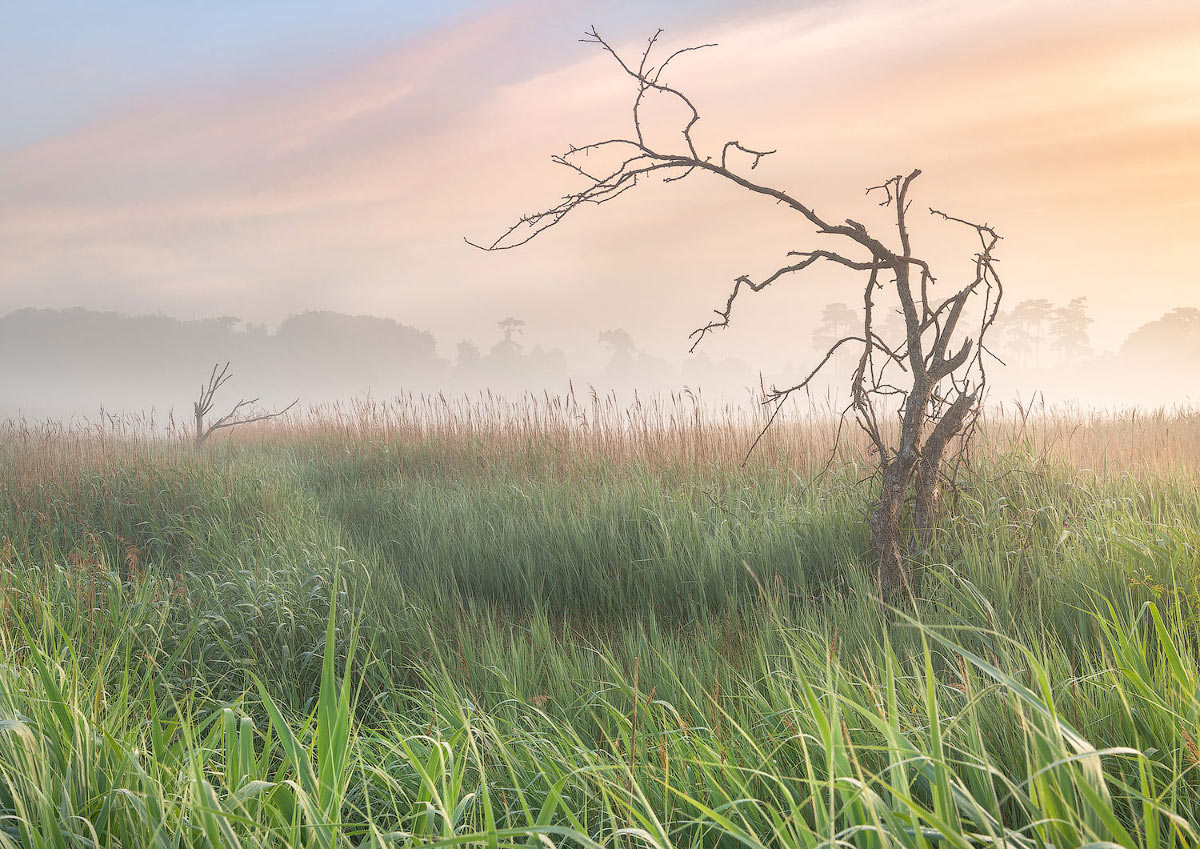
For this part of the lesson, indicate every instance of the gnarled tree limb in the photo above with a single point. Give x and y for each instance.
(910, 426)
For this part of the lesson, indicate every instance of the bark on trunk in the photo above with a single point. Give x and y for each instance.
(925, 503)
(885, 539)
(887, 535)
(929, 472)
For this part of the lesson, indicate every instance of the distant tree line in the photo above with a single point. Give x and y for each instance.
(1038, 333)
(76, 361)
(1046, 347)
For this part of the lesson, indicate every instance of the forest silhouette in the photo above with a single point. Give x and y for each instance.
(78, 361)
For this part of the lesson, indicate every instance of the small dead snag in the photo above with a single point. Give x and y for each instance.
(243, 411)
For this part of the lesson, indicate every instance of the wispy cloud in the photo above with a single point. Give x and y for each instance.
(1074, 126)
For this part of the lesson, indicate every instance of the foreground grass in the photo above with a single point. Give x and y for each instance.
(327, 638)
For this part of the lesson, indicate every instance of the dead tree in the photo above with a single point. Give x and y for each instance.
(917, 398)
(243, 411)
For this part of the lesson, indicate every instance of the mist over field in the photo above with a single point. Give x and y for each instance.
(510, 424)
(72, 363)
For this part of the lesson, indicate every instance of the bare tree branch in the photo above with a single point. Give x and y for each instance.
(911, 426)
(807, 259)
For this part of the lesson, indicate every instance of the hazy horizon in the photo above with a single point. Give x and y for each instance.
(71, 363)
(266, 159)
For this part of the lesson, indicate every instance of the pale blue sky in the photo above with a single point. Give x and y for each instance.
(62, 63)
(65, 62)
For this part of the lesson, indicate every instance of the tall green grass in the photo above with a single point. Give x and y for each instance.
(379, 638)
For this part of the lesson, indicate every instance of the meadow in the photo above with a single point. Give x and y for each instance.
(572, 622)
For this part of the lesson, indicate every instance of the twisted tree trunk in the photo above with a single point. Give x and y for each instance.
(939, 392)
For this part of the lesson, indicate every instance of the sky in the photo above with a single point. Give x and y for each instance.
(263, 158)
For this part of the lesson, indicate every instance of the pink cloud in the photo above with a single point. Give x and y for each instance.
(352, 189)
